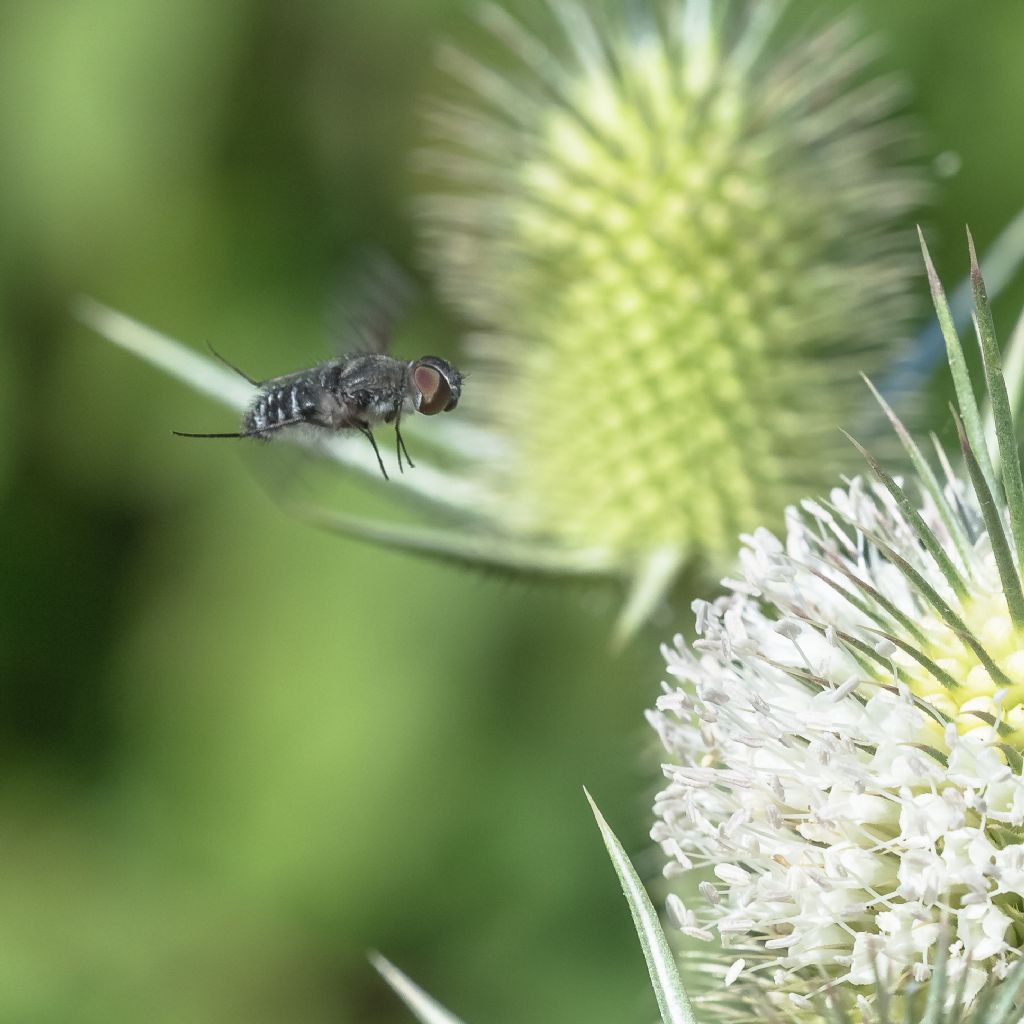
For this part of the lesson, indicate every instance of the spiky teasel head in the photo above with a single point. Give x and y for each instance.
(671, 240)
(846, 736)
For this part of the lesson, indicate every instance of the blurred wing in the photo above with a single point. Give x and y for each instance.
(369, 304)
(273, 382)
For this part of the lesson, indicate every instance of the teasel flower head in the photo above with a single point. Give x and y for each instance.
(845, 735)
(669, 238)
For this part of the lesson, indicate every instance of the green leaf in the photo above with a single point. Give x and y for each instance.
(200, 372)
(1009, 458)
(423, 1007)
(958, 368)
(463, 547)
(661, 962)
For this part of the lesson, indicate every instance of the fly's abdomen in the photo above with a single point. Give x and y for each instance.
(281, 405)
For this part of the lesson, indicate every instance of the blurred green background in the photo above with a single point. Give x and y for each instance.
(238, 753)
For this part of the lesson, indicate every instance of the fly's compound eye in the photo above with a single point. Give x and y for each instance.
(438, 385)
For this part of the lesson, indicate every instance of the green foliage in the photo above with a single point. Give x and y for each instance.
(237, 753)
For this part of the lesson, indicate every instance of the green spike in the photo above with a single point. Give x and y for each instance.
(863, 654)
(1013, 366)
(952, 480)
(425, 1008)
(917, 524)
(882, 1000)
(651, 582)
(1013, 758)
(940, 674)
(946, 613)
(1009, 457)
(938, 983)
(927, 476)
(193, 368)
(673, 1002)
(1005, 996)
(814, 682)
(993, 523)
(864, 606)
(958, 368)
(865, 649)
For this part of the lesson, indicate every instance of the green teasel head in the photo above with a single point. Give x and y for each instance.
(670, 236)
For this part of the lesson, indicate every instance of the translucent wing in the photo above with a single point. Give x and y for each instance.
(368, 304)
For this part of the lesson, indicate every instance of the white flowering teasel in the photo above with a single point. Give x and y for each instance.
(845, 735)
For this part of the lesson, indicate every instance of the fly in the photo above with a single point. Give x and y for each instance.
(353, 392)
(358, 390)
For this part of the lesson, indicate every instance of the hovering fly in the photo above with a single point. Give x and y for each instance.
(355, 391)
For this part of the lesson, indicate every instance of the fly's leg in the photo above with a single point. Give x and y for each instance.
(368, 434)
(400, 446)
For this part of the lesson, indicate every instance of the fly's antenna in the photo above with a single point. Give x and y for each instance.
(230, 366)
(261, 433)
(181, 433)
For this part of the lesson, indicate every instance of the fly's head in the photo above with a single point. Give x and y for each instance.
(436, 385)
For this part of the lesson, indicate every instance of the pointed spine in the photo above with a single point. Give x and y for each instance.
(1002, 417)
(993, 524)
(916, 523)
(958, 368)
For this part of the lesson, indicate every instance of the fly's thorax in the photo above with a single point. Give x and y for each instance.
(381, 407)
(361, 389)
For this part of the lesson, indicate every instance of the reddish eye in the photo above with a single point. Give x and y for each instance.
(433, 389)
(438, 385)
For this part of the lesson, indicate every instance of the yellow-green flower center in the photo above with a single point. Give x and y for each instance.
(978, 702)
